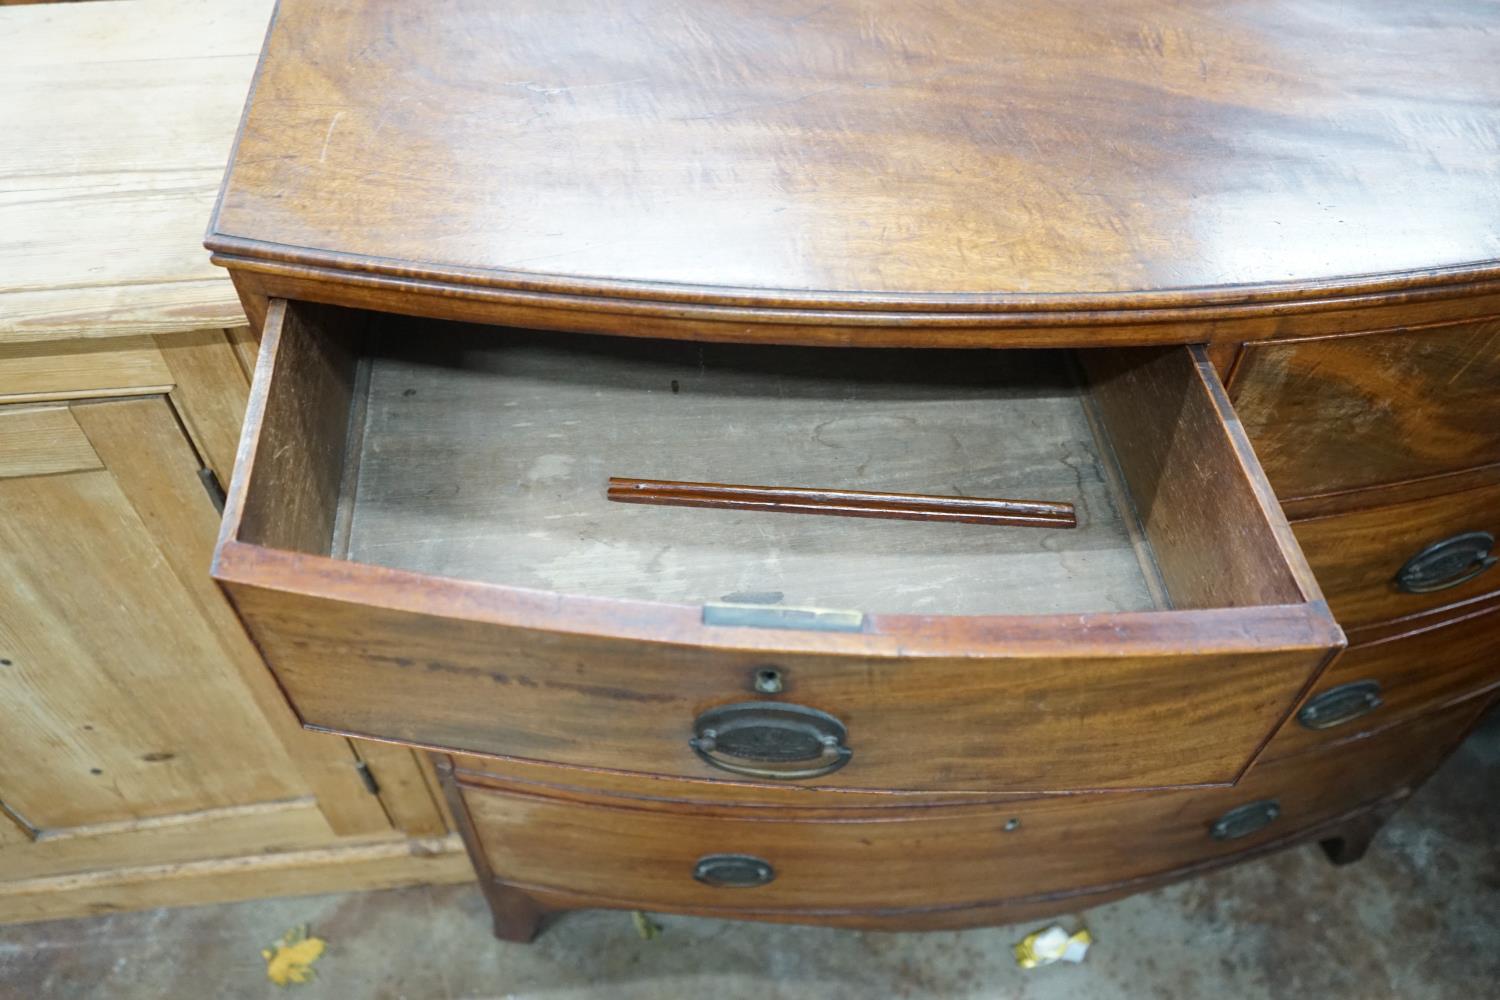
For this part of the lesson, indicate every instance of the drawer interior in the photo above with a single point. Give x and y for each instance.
(483, 453)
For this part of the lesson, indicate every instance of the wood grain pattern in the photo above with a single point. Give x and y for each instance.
(1345, 413)
(1408, 491)
(246, 343)
(43, 441)
(1223, 355)
(134, 697)
(1357, 555)
(427, 764)
(1034, 708)
(293, 504)
(14, 833)
(929, 859)
(112, 627)
(208, 394)
(402, 788)
(1006, 912)
(1394, 628)
(136, 722)
(565, 781)
(119, 119)
(141, 443)
(1420, 671)
(1194, 482)
(1211, 324)
(81, 368)
(256, 828)
(953, 164)
(516, 916)
(386, 864)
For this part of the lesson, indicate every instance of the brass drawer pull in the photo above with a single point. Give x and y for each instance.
(733, 871)
(1339, 705)
(1447, 563)
(771, 740)
(1244, 820)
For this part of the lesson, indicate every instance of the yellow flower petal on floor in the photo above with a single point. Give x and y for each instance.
(290, 959)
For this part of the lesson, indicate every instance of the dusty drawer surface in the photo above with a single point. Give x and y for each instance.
(486, 460)
(419, 539)
(1390, 562)
(1341, 413)
(640, 854)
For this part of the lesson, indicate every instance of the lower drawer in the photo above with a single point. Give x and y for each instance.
(738, 861)
(1382, 683)
(1390, 562)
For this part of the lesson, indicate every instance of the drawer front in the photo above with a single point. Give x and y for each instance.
(1373, 686)
(1350, 412)
(1389, 562)
(603, 664)
(937, 857)
(912, 722)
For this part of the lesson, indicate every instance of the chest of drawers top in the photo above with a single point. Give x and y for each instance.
(962, 174)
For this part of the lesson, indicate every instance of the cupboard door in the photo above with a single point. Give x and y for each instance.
(133, 699)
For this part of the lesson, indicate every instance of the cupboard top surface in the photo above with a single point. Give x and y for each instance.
(985, 157)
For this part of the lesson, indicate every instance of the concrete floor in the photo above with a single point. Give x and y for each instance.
(1418, 918)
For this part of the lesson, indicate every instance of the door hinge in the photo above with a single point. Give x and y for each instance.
(368, 777)
(212, 487)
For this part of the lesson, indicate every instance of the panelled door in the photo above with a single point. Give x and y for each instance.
(139, 726)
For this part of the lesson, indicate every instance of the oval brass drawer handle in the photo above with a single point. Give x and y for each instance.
(1244, 820)
(1341, 704)
(733, 871)
(1447, 563)
(771, 740)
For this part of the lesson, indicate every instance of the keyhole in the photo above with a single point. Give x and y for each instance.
(768, 680)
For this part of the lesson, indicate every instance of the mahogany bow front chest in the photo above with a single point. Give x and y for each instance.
(1216, 282)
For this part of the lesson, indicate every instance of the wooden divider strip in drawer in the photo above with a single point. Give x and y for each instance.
(1352, 411)
(1390, 562)
(938, 857)
(1383, 683)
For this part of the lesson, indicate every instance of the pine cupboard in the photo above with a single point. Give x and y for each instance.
(148, 758)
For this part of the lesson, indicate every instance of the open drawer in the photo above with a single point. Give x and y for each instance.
(419, 539)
